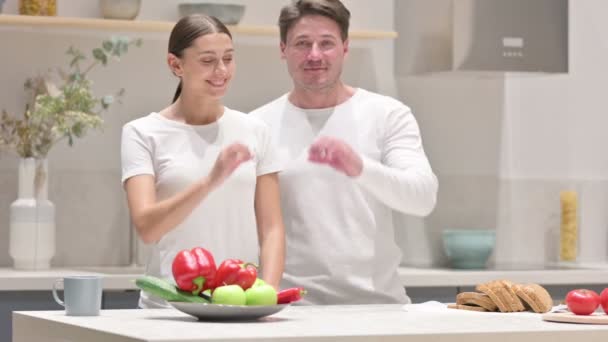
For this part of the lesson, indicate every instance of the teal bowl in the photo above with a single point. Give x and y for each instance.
(467, 248)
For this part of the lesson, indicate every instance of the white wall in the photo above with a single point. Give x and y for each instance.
(461, 118)
(85, 178)
(425, 36)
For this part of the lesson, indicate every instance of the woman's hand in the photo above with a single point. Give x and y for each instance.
(228, 160)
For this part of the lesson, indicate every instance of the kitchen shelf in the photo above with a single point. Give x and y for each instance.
(138, 26)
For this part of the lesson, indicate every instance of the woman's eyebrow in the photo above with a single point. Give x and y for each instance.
(213, 52)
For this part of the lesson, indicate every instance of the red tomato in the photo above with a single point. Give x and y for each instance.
(582, 301)
(604, 300)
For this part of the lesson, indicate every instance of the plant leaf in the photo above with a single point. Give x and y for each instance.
(76, 54)
(100, 56)
(107, 45)
(75, 60)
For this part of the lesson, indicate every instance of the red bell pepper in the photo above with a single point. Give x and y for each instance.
(290, 295)
(194, 270)
(234, 271)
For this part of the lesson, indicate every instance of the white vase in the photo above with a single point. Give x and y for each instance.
(32, 218)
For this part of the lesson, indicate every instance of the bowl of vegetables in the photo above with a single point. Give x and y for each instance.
(230, 291)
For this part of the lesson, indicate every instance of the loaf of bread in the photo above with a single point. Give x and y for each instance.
(505, 296)
(466, 307)
(476, 299)
(502, 294)
(535, 296)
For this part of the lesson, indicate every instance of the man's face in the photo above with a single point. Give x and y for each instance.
(314, 52)
(208, 65)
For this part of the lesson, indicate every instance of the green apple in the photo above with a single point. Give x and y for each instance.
(261, 295)
(206, 294)
(228, 294)
(258, 282)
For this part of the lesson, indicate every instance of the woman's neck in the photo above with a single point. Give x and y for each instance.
(321, 98)
(196, 110)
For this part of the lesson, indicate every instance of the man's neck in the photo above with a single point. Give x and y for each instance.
(321, 98)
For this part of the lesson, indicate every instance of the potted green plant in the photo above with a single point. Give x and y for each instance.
(62, 106)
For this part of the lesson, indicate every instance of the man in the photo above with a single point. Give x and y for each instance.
(351, 156)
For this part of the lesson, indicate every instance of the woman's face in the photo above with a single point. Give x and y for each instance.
(207, 66)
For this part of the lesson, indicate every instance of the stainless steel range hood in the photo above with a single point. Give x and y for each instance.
(510, 35)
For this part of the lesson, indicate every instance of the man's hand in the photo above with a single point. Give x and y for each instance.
(337, 154)
(229, 159)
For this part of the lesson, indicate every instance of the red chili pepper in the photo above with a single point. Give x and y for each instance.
(194, 270)
(290, 295)
(234, 271)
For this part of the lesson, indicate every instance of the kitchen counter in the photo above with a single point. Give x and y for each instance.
(122, 278)
(303, 323)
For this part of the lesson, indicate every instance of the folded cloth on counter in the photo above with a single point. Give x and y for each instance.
(430, 306)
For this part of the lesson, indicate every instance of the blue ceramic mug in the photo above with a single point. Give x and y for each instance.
(81, 295)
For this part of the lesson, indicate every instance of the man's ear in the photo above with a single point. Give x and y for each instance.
(346, 49)
(283, 46)
(175, 64)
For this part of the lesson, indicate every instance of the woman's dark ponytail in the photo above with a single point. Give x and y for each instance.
(178, 91)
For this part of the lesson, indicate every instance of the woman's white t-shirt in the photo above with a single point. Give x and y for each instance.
(177, 155)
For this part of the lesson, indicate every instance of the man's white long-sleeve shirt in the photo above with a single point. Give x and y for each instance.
(340, 237)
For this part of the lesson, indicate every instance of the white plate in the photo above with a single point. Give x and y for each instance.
(220, 312)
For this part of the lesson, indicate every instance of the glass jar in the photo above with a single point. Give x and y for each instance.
(38, 7)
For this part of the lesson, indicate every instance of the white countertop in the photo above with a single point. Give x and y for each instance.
(122, 278)
(302, 323)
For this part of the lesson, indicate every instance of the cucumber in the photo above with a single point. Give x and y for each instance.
(165, 290)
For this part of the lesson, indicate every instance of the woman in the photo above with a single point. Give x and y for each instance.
(198, 173)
